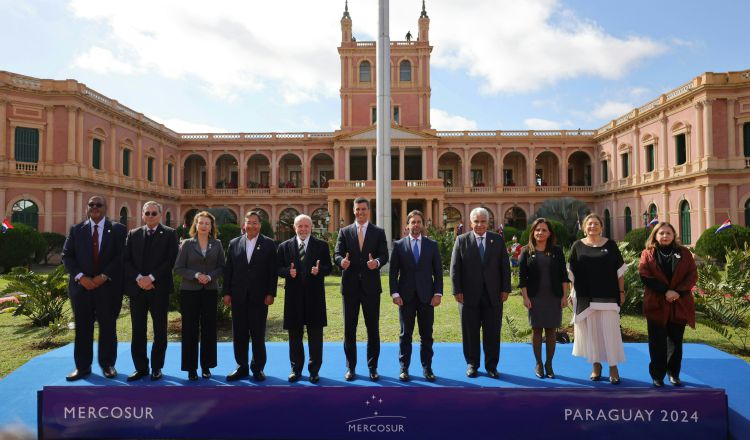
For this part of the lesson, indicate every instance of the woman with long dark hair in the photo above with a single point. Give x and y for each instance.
(544, 283)
(669, 274)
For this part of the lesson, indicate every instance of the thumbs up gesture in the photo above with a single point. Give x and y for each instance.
(345, 262)
(316, 268)
(372, 263)
(292, 271)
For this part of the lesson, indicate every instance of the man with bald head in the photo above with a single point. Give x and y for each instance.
(92, 255)
(304, 261)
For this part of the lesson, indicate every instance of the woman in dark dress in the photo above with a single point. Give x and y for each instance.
(597, 271)
(200, 263)
(669, 274)
(544, 283)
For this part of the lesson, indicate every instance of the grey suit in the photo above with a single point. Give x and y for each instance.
(481, 282)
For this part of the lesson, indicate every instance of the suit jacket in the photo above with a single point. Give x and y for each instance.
(684, 276)
(158, 262)
(250, 282)
(304, 295)
(374, 244)
(411, 279)
(78, 255)
(190, 261)
(470, 276)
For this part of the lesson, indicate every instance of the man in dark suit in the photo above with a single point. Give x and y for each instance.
(360, 251)
(92, 255)
(481, 284)
(249, 288)
(150, 253)
(416, 282)
(304, 261)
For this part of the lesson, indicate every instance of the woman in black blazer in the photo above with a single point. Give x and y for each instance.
(200, 263)
(544, 283)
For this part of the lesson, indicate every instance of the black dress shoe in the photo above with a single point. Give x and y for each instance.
(404, 376)
(259, 376)
(77, 374)
(349, 375)
(614, 380)
(293, 377)
(675, 380)
(374, 376)
(137, 375)
(539, 371)
(492, 372)
(156, 374)
(109, 372)
(658, 383)
(239, 373)
(428, 374)
(314, 378)
(193, 375)
(471, 372)
(205, 373)
(549, 371)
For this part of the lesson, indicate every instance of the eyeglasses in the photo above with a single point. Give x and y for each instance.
(96, 205)
(151, 213)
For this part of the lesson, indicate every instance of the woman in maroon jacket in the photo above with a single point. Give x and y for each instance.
(668, 272)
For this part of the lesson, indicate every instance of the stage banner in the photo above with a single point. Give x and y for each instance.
(297, 412)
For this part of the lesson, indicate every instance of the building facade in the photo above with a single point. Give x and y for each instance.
(684, 157)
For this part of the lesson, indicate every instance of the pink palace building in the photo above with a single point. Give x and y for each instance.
(684, 157)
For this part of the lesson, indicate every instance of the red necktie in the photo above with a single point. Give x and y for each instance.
(95, 247)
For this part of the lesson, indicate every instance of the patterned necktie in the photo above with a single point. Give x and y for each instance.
(95, 246)
(481, 248)
(150, 232)
(415, 250)
(361, 235)
(302, 252)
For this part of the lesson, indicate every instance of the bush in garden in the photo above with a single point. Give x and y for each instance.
(54, 243)
(712, 245)
(41, 297)
(636, 239)
(21, 246)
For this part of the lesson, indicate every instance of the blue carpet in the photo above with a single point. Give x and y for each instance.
(703, 366)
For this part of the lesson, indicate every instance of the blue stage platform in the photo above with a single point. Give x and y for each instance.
(704, 368)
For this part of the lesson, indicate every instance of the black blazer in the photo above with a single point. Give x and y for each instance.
(304, 295)
(374, 244)
(530, 273)
(410, 279)
(470, 276)
(159, 261)
(250, 282)
(77, 255)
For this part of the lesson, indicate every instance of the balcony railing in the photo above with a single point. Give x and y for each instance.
(579, 188)
(258, 191)
(290, 190)
(481, 189)
(193, 192)
(546, 189)
(317, 190)
(26, 167)
(226, 191)
(454, 189)
(515, 189)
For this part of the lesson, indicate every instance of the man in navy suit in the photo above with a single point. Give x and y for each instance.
(304, 261)
(360, 251)
(92, 255)
(416, 282)
(150, 253)
(480, 274)
(249, 288)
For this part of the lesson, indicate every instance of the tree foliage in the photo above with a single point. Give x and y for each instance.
(565, 210)
(54, 242)
(562, 235)
(636, 239)
(21, 246)
(713, 245)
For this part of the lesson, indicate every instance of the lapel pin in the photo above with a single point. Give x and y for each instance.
(492, 241)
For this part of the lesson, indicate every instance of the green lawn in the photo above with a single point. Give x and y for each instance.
(18, 336)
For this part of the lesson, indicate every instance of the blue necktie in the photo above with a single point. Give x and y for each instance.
(481, 248)
(415, 251)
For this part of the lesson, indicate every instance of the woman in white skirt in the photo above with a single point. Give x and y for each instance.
(597, 271)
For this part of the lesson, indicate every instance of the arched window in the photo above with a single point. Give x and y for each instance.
(607, 224)
(124, 216)
(685, 222)
(516, 218)
(365, 72)
(651, 212)
(168, 219)
(746, 138)
(25, 212)
(27, 145)
(404, 71)
(285, 228)
(628, 220)
(189, 216)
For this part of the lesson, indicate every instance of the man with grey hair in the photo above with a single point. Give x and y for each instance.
(150, 254)
(304, 261)
(480, 274)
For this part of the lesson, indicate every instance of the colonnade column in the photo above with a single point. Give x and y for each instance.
(401, 155)
(71, 134)
(710, 217)
(369, 163)
(701, 208)
(49, 134)
(69, 208)
(708, 128)
(3, 130)
(730, 128)
(733, 204)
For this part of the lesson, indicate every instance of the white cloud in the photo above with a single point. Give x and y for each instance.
(441, 120)
(545, 124)
(612, 109)
(639, 92)
(183, 126)
(102, 61)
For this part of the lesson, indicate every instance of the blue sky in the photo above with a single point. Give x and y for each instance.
(250, 66)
